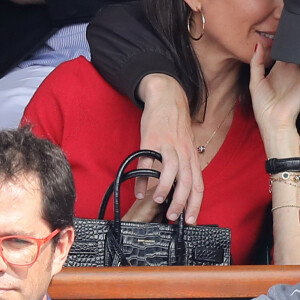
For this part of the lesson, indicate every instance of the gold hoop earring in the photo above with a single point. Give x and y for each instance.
(189, 27)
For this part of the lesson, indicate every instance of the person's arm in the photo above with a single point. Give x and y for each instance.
(276, 104)
(129, 54)
(125, 48)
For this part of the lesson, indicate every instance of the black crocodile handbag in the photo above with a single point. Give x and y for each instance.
(100, 242)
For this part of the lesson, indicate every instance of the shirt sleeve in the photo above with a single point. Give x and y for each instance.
(262, 297)
(281, 292)
(125, 47)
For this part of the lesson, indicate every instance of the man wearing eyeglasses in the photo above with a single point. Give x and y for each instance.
(36, 214)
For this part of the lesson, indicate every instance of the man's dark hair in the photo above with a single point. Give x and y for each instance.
(23, 153)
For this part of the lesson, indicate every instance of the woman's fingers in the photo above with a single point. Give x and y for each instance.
(189, 188)
(257, 67)
(169, 171)
(276, 94)
(196, 194)
(183, 188)
(142, 182)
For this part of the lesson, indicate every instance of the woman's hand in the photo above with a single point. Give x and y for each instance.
(166, 128)
(276, 104)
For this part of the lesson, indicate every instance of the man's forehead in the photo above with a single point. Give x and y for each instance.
(23, 179)
(20, 205)
(25, 189)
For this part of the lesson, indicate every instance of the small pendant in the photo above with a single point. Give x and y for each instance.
(201, 149)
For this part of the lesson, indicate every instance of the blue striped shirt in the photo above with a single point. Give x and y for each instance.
(67, 43)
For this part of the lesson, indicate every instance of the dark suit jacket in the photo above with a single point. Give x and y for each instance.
(24, 28)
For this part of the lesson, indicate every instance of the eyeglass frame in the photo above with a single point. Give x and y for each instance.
(39, 242)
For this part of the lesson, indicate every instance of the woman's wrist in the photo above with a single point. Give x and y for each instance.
(154, 85)
(282, 144)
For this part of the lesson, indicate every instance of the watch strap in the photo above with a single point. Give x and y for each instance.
(276, 165)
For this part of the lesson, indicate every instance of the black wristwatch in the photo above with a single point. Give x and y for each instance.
(275, 165)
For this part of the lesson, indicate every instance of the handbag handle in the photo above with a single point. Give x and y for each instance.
(115, 188)
(118, 180)
(126, 176)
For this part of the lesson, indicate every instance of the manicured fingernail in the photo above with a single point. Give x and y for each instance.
(191, 220)
(173, 217)
(256, 45)
(159, 200)
(139, 196)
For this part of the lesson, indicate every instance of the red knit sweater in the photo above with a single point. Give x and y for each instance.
(97, 128)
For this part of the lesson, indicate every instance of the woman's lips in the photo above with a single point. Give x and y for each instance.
(266, 38)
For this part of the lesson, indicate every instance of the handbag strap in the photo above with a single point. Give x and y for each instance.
(125, 176)
(117, 185)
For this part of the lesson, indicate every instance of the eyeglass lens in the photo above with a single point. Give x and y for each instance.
(19, 251)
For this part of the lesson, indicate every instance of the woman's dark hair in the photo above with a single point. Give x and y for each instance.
(169, 18)
(23, 153)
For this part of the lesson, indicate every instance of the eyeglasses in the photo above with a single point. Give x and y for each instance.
(22, 250)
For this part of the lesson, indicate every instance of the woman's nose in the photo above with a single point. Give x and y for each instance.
(278, 8)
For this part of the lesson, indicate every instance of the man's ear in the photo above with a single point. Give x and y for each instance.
(66, 239)
(195, 5)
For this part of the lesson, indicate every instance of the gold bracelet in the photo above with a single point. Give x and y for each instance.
(285, 205)
(292, 179)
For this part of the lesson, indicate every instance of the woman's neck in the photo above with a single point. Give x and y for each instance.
(221, 75)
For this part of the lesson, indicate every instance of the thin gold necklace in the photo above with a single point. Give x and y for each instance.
(201, 149)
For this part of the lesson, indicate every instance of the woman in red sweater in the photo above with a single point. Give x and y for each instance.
(97, 127)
